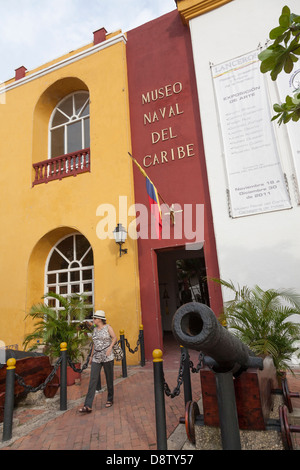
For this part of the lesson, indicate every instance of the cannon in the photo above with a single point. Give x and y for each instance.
(236, 385)
(195, 326)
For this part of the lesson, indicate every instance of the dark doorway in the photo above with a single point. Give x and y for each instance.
(182, 279)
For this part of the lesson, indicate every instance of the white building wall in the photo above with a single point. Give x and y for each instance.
(261, 249)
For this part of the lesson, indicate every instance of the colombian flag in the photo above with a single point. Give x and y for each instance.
(154, 205)
(153, 200)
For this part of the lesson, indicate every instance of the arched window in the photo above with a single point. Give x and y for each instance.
(70, 269)
(70, 125)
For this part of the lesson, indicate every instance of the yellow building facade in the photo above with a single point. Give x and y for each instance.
(55, 231)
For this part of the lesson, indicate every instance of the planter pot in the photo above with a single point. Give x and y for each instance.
(71, 374)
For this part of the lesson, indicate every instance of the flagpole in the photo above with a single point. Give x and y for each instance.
(145, 174)
(151, 182)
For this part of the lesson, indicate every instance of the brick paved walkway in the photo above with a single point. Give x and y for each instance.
(128, 425)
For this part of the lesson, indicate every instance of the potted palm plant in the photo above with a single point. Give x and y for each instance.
(54, 326)
(262, 320)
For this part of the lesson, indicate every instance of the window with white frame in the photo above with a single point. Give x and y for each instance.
(70, 125)
(70, 270)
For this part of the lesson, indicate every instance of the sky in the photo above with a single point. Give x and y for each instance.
(33, 32)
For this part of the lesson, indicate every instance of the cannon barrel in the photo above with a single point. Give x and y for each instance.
(196, 327)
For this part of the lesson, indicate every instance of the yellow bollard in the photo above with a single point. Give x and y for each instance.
(124, 362)
(63, 376)
(142, 345)
(160, 410)
(157, 355)
(9, 399)
(11, 363)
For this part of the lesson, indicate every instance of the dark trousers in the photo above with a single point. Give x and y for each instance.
(94, 377)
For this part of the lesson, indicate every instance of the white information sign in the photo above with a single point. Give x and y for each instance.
(288, 84)
(255, 177)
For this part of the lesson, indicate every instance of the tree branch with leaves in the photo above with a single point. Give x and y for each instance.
(280, 56)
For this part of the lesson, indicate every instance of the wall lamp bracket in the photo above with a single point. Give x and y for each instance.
(120, 236)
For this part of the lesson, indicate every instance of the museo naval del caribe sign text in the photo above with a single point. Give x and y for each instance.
(165, 112)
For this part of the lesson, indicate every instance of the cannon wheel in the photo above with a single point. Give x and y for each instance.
(52, 387)
(191, 413)
(285, 428)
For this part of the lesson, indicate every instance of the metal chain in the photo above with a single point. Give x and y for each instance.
(176, 390)
(50, 377)
(199, 366)
(42, 386)
(128, 345)
(167, 390)
(85, 365)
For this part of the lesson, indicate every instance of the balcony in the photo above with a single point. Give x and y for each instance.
(61, 167)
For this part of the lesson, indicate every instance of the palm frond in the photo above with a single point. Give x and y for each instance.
(262, 319)
(54, 326)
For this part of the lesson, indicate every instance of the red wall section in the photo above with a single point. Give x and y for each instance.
(167, 143)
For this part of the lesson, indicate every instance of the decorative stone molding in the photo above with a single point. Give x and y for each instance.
(189, 9)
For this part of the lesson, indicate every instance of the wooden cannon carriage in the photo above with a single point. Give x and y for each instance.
(34, 368)
(253, 394)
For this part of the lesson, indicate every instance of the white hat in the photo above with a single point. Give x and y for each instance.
(99, 314)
